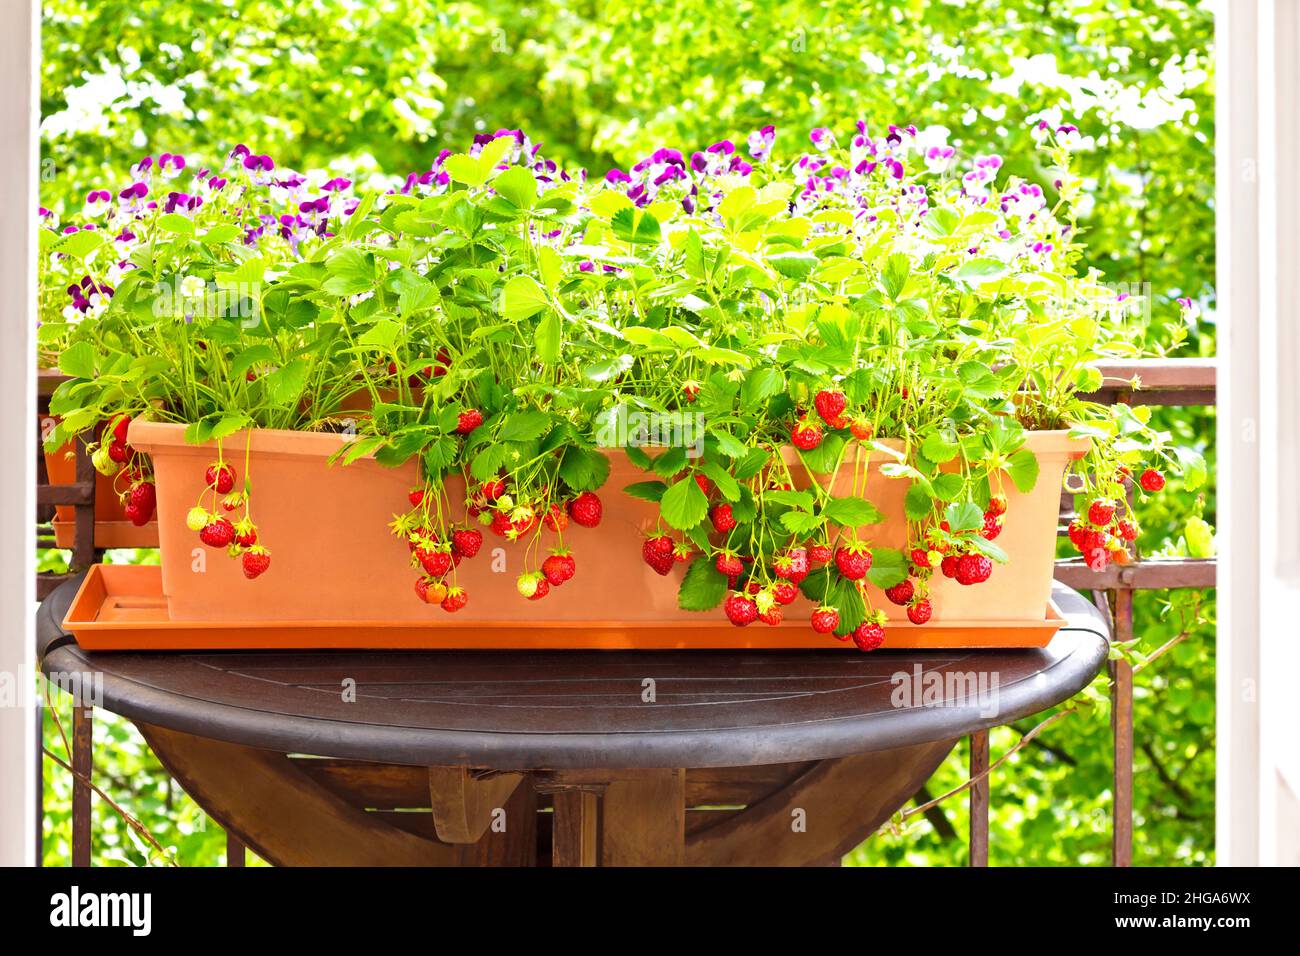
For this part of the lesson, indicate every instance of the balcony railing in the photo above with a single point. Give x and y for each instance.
(1172, 382)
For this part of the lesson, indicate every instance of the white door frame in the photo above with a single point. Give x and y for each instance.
(1257, 136)
(19, 113)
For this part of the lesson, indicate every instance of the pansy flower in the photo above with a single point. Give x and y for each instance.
(760, 143)
(171, 165)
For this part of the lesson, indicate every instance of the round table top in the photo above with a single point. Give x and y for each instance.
(521, 710)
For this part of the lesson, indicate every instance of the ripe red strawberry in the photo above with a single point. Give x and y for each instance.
(1076, 532)
(806, 435)
(861, 429)
(949, 565)
(455, 600)
(217, 533)
(973, 569)
(682, 552)
(998, 504)
(555, 518)
(1101, 511)
(729, 564)
(658, 553)
(435, 561)
(416, 497)
(722, 518)
(1127, 530)
(1095, 548)
(705, 484)
(559, 567)
(137, 516)
(501, 524)
(992, 525)
(492, 489)
(798, 564)
(120, 425)
(920, 557)
(825, 619)
(1152, 480)
(144, 495)
(119, 452)
(868, 636)
(740, 610)
(220, 477)
(245, 533)
(256, 560)
(586, 509)
(543, 588)
(466, 542)
(468, 420)
(792, 564)
(830, 406)
(819, 553)
(772, 616)
(919, 612)
(690, 389)
(785, 592)
(853, 561)
(901, 593)
(443, 359)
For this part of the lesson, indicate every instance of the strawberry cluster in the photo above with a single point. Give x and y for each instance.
(114, 457)
(215, 528)
(1104, 530)
(506, 512)
(832, 411)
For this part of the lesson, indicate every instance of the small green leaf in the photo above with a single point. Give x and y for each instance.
(547, 339)
(518, 185)
(888, 567)
(1022, 468)
(851, 512)
(646, 490)
(723, 479)
(917, 504)
(978, 271)
(964, 517)
(78, 360)
(284, 385)
(703, 587)
(800, 522)
(522, 298)
(684, 504)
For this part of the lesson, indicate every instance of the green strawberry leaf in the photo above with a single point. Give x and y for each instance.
(684, 504)
(703, 587)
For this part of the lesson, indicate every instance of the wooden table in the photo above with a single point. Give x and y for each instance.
(570, 758)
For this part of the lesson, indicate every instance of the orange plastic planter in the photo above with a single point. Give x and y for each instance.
(334, 559)
(112, 529)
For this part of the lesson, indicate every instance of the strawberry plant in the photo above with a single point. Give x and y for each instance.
(757, 334)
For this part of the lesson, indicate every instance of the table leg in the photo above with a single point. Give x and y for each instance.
(573, 831)
(979, 799)
(643, 820)
(83, 723)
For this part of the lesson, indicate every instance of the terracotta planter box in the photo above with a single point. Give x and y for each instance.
(334, 559)
(112, 529)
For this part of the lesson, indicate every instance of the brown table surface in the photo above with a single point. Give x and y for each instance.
(567, 709)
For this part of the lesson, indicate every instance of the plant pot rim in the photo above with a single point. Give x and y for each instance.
(146, 435)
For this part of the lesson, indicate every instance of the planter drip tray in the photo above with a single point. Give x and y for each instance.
(122, 608)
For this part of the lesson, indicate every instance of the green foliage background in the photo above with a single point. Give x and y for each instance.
(376, 89)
